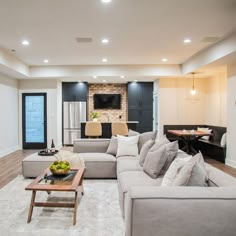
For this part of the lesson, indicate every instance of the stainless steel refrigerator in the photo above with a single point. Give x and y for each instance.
(73, 114)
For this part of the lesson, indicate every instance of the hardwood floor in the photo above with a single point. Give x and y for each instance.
(10, 165)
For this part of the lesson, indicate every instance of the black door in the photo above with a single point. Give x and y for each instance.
(34, 120)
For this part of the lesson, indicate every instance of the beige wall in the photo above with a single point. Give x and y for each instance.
(112, 113)
(178, 106)
(216, 100)
(9, 139)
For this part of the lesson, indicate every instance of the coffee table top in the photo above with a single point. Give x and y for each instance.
(48, 182)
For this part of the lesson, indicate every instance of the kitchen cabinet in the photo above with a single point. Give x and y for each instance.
(140, 105)
(74, 91)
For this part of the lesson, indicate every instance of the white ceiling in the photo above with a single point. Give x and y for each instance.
(141, 31)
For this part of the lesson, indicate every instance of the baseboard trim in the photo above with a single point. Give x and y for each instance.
(230, 163)
(9, 151)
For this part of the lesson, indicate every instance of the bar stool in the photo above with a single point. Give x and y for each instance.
(119, 128)
(93, 129)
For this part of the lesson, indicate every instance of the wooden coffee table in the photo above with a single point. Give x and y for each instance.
(73, 182)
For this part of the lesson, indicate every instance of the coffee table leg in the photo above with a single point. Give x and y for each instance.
(31, 206)
(75, 207)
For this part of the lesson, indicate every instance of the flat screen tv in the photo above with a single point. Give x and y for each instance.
(107, 101)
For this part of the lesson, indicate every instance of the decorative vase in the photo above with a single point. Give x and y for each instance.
(95, 119)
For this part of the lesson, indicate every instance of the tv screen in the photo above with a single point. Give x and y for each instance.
(107, 101)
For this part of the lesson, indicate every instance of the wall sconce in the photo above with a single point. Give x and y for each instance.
(193, 90)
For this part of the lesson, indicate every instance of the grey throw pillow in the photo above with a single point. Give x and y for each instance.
(144, 151)
(143, 138)
(199, 176)
(113, 145)
(156, 160)
(158, 143)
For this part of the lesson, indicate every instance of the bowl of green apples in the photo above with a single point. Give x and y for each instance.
(60, 167)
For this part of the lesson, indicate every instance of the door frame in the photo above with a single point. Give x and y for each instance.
(34, 145)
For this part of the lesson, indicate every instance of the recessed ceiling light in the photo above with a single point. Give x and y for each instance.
(104, 60)
(25, 42)
(135, 81)
(106, 1)
(45, 60)
(104, 81)
(122, 77)
(187, 40)
(95, 77)
(105, 41)
(164, 59)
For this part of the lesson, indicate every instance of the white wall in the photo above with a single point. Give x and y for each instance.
(9, 115)
(231, 116)
(51, 88)
(59, 114)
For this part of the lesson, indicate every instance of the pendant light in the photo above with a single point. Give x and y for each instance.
(193, 90)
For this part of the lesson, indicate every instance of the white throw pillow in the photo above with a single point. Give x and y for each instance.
(173, 170)
(127, 146)
(188, 171)
(206, 130)
(223, 140)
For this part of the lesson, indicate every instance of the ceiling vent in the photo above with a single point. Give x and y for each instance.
(84, 40)
(210, 39)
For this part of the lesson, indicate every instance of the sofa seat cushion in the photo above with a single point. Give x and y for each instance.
(136, 178)
(218, 178)
(128, 165)
(99, 165)
(34, 165)
(129, 179)
(97, 157)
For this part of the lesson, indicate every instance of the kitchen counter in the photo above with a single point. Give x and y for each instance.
(106, 127)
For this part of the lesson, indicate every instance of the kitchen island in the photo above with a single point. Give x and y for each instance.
(106, 128)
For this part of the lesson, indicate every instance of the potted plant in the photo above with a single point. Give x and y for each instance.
(95, 116)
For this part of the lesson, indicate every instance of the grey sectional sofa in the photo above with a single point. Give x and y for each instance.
(151, 210)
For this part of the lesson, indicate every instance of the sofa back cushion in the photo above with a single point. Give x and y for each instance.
(91, 145)
(143, 138)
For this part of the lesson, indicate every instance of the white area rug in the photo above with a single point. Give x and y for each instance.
(98, 211)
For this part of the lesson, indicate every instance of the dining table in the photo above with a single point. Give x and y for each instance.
(189, 137)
